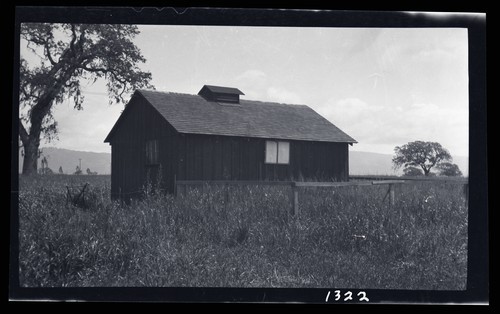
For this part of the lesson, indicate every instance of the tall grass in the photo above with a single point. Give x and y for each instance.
(345, 237)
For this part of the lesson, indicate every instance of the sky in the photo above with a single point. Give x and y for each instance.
(384, 87)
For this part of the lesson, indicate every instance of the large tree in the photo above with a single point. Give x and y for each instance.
(421, 154)
(69, 55)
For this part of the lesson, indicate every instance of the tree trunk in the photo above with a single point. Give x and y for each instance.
(31, 141)
(30, 160)
(426, 171)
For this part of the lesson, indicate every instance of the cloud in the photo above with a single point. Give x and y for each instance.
(387, 127)
(283, 95)
(252, 76)
(86, 129)
(257, 86)
(354, 108)
(252, 83)
(354, 116)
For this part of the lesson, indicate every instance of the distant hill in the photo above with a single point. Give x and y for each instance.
(359, 162)
(371, 164)
(69, 159)
(381, 164)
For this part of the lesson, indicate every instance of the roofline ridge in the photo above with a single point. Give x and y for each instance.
(276, 103)
(164, 92)
(249, 100)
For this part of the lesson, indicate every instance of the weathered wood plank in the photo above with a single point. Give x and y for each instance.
(217, 158)
(234, 152)
(208, 156)
(387, 182)
(226, 157)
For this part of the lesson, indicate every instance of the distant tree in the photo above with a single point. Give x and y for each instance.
(69, 55)
(78, 171)
(91, 172)
(449, 169)
(61, 170)
(44, 162)
(412, 172)
(421, 154)
(45, 167)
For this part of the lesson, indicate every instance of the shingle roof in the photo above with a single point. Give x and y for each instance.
(193, 114)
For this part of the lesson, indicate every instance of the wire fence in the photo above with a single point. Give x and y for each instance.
(182, 187)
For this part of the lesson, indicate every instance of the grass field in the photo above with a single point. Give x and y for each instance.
(345, 237)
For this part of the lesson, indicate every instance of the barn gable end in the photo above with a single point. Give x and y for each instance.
(138, 124)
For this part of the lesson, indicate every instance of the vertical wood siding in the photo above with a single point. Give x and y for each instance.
(140, 123)
(209, 157)
(206, 157)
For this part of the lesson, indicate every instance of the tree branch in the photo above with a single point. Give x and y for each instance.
(123, 81)
(49, 56)
(81, 39)
(71, 84)
(26, 92)
(123, 91)
(104, 70)
(87, 58)
(73, 39)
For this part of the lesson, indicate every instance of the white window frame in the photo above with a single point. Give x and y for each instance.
(276, 159)
(287, 152)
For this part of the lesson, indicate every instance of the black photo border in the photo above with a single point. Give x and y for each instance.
(477, 291)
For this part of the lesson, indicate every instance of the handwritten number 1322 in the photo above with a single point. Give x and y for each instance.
(348, 296)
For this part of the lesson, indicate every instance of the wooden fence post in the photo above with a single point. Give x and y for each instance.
(392, 194)
(295, 200)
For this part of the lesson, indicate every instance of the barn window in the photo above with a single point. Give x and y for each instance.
(277, 152)
(152, 152)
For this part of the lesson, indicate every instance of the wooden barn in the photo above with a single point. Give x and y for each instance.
(215, 135)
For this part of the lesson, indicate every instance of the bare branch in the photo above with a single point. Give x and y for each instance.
(33, 50)
(29, 95)
(73, 39)
(103, 70)
(122, 81)
(122, 92)
(49, 56)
